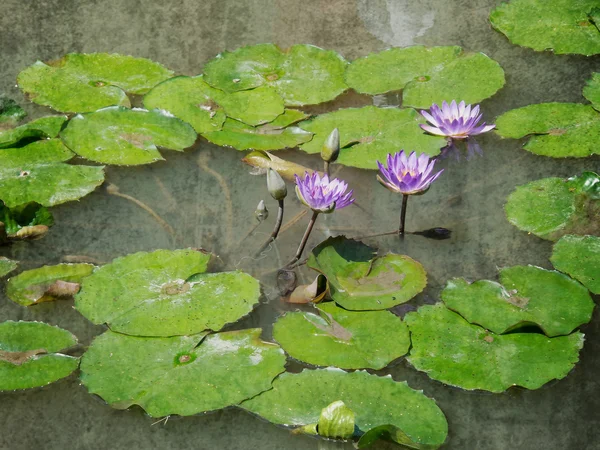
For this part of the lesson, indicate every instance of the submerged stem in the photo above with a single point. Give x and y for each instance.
(275, 231)
(309, 228)
(403, 215)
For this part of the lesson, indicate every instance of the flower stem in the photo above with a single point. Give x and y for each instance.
(403, 215)
(326, 167)
(309, 228)
(275, 231)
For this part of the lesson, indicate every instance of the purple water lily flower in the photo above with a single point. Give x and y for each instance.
(407, 175)
(455, 121)
(321, 194)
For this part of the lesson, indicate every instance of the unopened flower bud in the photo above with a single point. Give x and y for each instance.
(331, 147)
(261, 212)
(276, 185)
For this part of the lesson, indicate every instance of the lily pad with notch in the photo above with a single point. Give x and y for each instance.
(47, 283)
(302, 75)
(553, 207)
(182, 375)
(43, 128)
(344, 339)
(360, 280)
(165, 293)
(368, 134)
(297, 400)
(527, 295)
(579, 256)
(30, 355)
(427, 75)
(451, 350)
(122, 136)
(80, 82)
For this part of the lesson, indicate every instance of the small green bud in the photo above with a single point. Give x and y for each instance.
(261, 212)
(276, 185)
(331, 147)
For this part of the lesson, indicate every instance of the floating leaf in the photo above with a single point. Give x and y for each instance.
(302, 75)
(559, 130)
(368, 134)
(427, 75)
(579, 256)
(265, 137)
(10, 112)
(46, 127)
(37, 173)
(165, 293)
(527, 295)
(264, 160)
(29, 355)
(297, 399)
(81, 82)
(310, 293)
(451, 350)
(47, 283)
(340, 338)
(181, 375)
(123, 136)
(563, 26)
(359, 280)
(336, 421)
(592, 90)
(553, 207)
(7, 266)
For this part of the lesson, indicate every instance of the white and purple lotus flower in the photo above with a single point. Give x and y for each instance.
(407, 175)
(321, 194)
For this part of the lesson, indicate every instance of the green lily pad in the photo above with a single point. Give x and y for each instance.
(298, 398)
(128, 137)
(37, 173)
(20, 218)
(527, 295)
(340, 338)
(44, 128)
(579, 256)
(359, 280)
(592, 90)
(10, 112)
(451, 350)
(47, 283)
(270, 136)
(165, 293)
(302, 75)
(7, 266)
(80, 82)
(191, 99)
(553, 207)
(29, 355)
(563, 26)
(559, 130)
(368, 134)
(181, 375)
(427, 75)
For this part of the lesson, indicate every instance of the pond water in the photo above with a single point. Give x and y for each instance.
(208, 197)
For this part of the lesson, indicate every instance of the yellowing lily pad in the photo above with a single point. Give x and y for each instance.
(579, 256)
(81, 82)
(182, 375)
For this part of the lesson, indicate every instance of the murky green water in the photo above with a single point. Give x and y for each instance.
(208, 198)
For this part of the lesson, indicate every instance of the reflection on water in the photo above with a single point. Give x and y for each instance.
(207, 197)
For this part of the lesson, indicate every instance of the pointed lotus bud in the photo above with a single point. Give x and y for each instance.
(261, 212)
(331, 147)
(276, 185)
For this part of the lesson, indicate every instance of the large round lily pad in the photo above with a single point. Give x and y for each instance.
(528, 295)
(558, 130)
(368, 134)
(87, 82)
(47, 283)
(298, 398)
(181, 375)
(204, 107)
(427, 75)
(359, 280)
(165, 293)
(302, 75)
(37, 173)
(29, 355)
(122, 136)
(43, 128)
(553, 207)
(579, 256)
(451, 350)
(563, 26)
(591, 91)
(340, 338)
